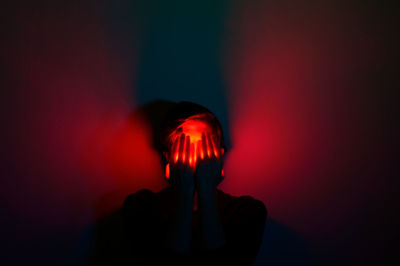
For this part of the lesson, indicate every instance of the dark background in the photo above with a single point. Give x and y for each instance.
(305, 91)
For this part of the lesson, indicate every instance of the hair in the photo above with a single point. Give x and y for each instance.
(177, 115)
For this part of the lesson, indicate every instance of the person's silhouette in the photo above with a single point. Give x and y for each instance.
(192, 222)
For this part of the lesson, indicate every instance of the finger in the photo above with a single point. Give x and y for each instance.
(214, 146)
(192, 152)
(195, 153)
(182, 147)
(203, 145)
(175, 150)
(167, 171)
(200, 152)
(209, 146)
(187, 150)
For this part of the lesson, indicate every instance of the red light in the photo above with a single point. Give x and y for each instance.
(194, 128)
(184, 153)
(167, 171)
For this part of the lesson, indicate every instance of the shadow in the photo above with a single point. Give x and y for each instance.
(282, 246)
(175, 50)
(111, 245)
(105, 242)
(154, 113)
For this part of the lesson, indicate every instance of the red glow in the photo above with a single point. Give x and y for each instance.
(176, 150)
(194, 128)
(201, 151)
(309, 135)
(167, 171)
(184, 153)
(191, 157)
(192, 150)
(208, 149)
(195, 153)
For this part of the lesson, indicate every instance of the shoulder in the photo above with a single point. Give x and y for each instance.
(255, 205)
(140, 197)
(246, 206)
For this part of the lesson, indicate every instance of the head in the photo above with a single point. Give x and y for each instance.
(191, 119)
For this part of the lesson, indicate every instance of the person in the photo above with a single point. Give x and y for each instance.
(192, 222)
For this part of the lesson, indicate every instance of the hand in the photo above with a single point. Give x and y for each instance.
(209, 165)
(181, 173)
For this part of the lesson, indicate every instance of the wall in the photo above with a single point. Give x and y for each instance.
(304, 90)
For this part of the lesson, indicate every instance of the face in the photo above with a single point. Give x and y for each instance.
(203, 143)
